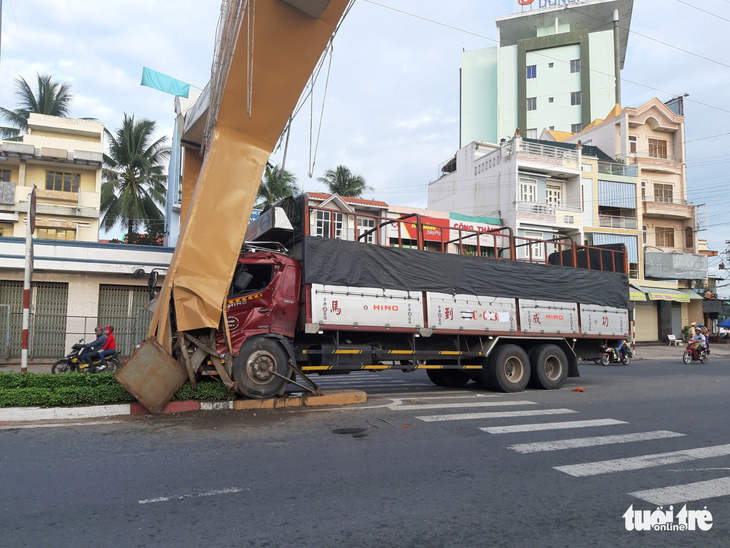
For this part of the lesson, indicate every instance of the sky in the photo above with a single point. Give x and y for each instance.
(391, 108)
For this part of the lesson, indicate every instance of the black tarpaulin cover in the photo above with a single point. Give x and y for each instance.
(340, 262)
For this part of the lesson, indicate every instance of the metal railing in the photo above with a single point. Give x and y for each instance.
(612, 221)
(48, 341)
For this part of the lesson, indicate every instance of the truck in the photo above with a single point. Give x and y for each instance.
(484, 306)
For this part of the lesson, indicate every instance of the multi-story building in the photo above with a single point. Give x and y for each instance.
(557, 66)
(651, 138)
(62, 157)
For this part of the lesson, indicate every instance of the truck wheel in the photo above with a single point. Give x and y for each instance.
(508, 370)
(261, 369)
(449, 378)
(549, 367)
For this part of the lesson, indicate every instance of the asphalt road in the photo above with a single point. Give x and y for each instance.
(415, 466)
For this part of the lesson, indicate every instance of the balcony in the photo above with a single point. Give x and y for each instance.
(612, 221)
(549, 213)
(622, 170)
(679, 209)
(546, 156)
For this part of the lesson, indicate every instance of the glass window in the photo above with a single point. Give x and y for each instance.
(657, 148)
(5, 175)
(575, 97)
(64, 182)
(363, 225)
(528, 190)
(632, 144)
(575, 65)
(663, 192)
(532, 103)
(531, 71)
(55, 234)
(576, 128)
(538, 248)
(554, 194)
(531, 133)
(551, 99)
(664, 236)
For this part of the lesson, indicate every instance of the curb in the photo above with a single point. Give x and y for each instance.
(334, 398)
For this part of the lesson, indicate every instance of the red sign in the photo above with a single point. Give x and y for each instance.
(432, 230)
(525, 2)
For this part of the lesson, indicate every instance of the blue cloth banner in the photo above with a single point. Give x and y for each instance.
(163, 82)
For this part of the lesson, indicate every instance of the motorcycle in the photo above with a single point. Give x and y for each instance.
(72, 363)
(609, 354)
(689, 356)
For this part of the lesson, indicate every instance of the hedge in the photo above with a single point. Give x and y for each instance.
(77, 389)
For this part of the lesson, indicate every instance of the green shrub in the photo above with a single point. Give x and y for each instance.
(80, 389)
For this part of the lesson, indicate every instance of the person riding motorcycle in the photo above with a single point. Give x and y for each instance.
(110, 346)
(91, 350)
(706, 334)
(699, 342)
(621, 349)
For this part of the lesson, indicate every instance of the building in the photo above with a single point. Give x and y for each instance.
(77, 281)
(650, 137)
(62, 157)
(557, 66)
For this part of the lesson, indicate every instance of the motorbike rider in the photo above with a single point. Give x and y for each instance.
(698, 342)
(91, 350)
(110, 346)
(706, 333)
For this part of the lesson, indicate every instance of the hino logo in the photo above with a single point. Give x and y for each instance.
(386, 307)
(553, 316)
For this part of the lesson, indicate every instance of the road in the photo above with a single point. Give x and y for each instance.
(415, 466)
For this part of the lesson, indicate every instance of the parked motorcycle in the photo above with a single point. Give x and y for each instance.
(72, 363)
(689, 356)
(609, 354)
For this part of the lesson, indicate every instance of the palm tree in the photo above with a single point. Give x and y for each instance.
(50, 97)
(134, 182)
(344, 182)
(277, 184)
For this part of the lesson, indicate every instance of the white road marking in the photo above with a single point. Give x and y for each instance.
(592, 441)
(550, 426)
(494, 415)
(644, 461)
(420, 406)
(685, 493)
(194, 495)
(56, 425)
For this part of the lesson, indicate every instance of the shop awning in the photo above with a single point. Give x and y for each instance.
(636, 294)
(693, 295)
(656, 294)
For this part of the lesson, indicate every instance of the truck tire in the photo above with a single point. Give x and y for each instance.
(507, 370)
(449, 378)
(261, 369)
(549, 367)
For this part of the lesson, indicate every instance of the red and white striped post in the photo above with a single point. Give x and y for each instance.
(30, 227)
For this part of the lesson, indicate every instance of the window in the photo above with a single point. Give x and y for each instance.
(56, 234)
(689, 238)
(532, 103)
(643, 234)
(632, 144)
(531, 133)
(663, 193)
(324, 224)
(643, 194)
(657, 148)
(538, 248)
(551, 99)
(576, 128)
(531, 71)
(5, 175)
(363, 225)
(550, 65)
(575, 97)
(528, 190)
(551, 128)
(575, 65)
(554, 194)
(664, 236)
(66, 182)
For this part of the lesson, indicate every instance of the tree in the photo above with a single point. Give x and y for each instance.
(277, 184)
(133, 190)
(344, 182)
(50, 97)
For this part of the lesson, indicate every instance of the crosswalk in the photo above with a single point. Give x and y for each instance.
(494, 406)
